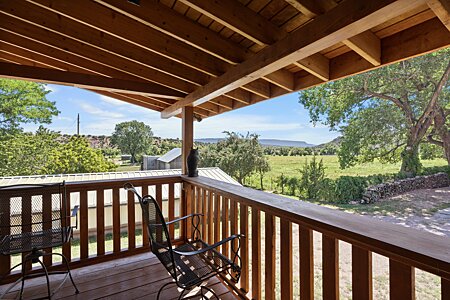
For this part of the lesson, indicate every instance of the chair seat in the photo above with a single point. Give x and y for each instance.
(194, 269)
(27, 241)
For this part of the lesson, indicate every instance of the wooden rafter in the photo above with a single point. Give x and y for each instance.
(85, 81)
(442, 10)
(365, 44)
(304, 42)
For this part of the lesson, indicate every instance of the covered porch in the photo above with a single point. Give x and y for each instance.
(196, 59)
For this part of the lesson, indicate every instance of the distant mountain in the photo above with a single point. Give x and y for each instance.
(264, 142)
(335, 142)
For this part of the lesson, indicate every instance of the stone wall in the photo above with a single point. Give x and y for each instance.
(388, 189)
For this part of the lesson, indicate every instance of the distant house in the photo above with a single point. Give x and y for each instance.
(170, 160)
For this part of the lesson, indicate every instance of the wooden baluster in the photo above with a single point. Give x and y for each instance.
(225, 234)
(210, 218)
(217, 219)
(116, 220)
(158, 195)
(84, 228)
(361, 273)
(445, 289)
(234, 224)
(47, 223)
(401, 281)
(131, 220)
(67, 247)
(26, 222)
(269, 257)
(5, 218)
(306, 263)
(286, 260)
(244, 247)
(204, 220)
(330, 267)
(198, 206)
(145, 238)
(100, 211)
(188, 210)
(171, 209)
(256, 253)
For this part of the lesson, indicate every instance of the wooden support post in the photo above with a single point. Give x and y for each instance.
(187, 134)
(270, 257)
(286, 260)
(306, 263)
(445, 289)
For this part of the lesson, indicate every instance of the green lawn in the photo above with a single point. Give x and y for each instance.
(290, 165)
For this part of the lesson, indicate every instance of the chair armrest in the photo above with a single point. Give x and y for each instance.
(203, 250)
(183, 218)
(74, 211)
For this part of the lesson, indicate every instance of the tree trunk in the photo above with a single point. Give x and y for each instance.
(410, 158)
(261, 181)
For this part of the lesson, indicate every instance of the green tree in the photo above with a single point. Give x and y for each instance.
(385, 113)
(237, 155)
(27, 153)
(23, 102)
(312, 176)
(133, 137)
(76, 156)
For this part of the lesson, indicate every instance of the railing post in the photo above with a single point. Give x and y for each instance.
(187, 135)
(330, 267)
(361, 273)
(306, 263)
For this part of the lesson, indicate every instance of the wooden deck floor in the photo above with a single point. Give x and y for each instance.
(135, 277)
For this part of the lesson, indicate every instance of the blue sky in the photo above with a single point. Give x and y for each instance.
(280, 118)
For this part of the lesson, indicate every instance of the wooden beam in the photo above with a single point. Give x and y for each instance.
(282, 78)
(324, 31)
(85, 81)
(310, 8)
(442, 10)
(238, 18)
(187, 135)
(366, 44)
(168, 21)
(316, 64)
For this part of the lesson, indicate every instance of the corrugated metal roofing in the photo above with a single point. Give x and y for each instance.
(171, 155)
(214, 173)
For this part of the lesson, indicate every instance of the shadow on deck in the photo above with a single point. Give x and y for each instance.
(134, 277)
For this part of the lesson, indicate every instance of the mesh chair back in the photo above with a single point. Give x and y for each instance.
(157, 230)
(33, 217)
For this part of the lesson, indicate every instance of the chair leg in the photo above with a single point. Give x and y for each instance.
(46, 277)
(208, 290)
(161, 288)
(66, 262)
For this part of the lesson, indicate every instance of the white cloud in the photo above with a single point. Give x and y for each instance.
(52, 88)
(110, 100)
(213, 127)
(98, 112)
(63, 118)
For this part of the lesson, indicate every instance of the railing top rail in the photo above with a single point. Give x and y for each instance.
(108, 183)
(414, 247)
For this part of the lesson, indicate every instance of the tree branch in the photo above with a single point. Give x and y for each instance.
(431, 140)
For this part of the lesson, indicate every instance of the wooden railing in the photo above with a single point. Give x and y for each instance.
(279, 229)
(108, 219)
(279, 250)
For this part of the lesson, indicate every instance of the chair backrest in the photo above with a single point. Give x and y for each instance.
(158, 233)
(30, 209)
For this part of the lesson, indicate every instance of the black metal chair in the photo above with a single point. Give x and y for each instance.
(193, 262)
(26, 227)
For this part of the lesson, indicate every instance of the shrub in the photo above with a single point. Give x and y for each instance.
(312, 176)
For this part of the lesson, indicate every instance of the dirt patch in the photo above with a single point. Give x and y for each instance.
(425, 210)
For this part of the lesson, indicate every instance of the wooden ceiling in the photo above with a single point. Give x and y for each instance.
(215, 55)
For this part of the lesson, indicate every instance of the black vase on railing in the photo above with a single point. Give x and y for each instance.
(192, 162)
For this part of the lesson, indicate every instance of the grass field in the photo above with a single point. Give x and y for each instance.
(290, 165)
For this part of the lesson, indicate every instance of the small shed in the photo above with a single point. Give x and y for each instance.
(170, 160)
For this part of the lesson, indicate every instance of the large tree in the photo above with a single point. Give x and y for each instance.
(238, 155)
(23, 102)
(132, 138)
(388, 112)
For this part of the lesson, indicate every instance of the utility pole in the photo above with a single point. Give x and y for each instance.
(78, 124)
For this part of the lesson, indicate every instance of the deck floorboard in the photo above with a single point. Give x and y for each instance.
(134, 277)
